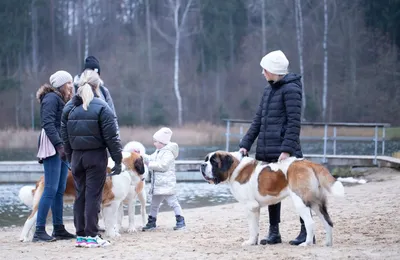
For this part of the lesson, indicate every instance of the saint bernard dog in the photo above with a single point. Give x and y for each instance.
(257, 184)
(118, 189)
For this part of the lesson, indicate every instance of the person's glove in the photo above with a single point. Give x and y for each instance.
(116, 170)
(61, 152)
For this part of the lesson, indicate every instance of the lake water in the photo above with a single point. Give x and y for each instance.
(190, 195)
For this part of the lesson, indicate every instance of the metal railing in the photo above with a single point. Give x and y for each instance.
(326, 137)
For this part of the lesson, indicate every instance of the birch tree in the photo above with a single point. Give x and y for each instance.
(325, 47)
(35, 41)
(300, 46)
(179, 22)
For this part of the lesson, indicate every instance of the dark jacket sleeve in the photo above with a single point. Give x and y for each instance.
(64, 130)
(292, 98)
(48, 113)
(110, 103)
(110, 134)
(254, 130)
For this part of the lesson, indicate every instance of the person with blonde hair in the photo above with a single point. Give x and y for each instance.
(88, 129)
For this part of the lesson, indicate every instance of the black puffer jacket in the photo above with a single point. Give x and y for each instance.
(90, 129)
(51, 107)
(277, 121)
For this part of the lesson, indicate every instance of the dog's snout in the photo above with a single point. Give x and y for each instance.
(203, 166)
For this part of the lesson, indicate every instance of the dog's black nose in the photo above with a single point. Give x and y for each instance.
(203, 167)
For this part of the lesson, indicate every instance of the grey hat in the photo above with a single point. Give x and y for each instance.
(59, 78)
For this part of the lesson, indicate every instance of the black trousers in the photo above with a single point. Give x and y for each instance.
(89, 172)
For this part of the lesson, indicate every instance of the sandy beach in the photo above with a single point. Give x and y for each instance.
(366, 226)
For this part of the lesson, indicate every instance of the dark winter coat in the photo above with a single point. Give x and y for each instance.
(51, 107)
(90, 129)
(277, 121)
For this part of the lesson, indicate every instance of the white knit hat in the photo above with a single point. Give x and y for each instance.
(163, 135)
(59, 78)
(275, 62)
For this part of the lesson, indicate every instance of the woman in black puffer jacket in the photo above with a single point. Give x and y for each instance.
(88, 128)
(277, 125)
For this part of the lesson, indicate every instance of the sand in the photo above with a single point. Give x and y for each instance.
(367, 226)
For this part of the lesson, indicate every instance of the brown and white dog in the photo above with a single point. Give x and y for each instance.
(117, 189)
(257, 184)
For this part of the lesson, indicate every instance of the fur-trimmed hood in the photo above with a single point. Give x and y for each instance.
(45, 89)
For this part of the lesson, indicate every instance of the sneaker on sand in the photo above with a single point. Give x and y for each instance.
(80, 241)
(96, 241)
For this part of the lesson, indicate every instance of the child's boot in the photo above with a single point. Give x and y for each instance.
(151, 224)
(180, 222)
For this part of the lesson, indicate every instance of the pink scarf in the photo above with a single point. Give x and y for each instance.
(46, 148)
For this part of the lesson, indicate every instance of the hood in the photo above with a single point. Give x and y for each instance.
(288, 78)
(45, 89)
(173, 147)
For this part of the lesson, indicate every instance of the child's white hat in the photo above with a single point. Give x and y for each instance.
(163, 135)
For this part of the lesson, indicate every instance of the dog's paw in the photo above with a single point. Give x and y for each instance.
(305, 244)
(132, 230)
(249, 242)
(328, 243)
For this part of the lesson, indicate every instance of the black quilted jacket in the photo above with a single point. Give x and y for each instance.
(91, 129)
(277, 121)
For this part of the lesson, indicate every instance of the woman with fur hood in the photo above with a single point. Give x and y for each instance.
(52, 99)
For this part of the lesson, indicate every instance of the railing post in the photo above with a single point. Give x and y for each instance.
(325, 142)
(376, 144)
(227, 134)
(383, 139)
(334, 140)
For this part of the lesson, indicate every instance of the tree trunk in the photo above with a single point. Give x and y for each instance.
(86, 16)
(35, 58)
(299, 34)
(53, 31)
(263, 28)
(148, 30)
(176, 78)
(325, 84)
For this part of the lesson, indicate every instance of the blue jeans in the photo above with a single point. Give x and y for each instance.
(55, 181)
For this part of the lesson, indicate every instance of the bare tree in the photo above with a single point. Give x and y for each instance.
(179, 21)
(263, 28)
(35, 41)
(300, 45)
(325, 47)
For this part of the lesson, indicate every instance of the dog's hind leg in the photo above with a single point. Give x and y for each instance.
(305, 213)
(322, 213)
(142, 199)
(253, 217)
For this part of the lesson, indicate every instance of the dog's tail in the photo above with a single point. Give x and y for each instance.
(26, 194)
(327, 181)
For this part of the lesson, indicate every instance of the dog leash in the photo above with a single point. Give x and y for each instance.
(67, 164)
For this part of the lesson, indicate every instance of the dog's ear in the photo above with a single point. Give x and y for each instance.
(139, 165)
(226, 162)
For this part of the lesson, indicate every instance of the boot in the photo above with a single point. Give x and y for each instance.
(60, 233)
(180, 222)
(273, 237)
(41, 235)
(301, 238)
(151, 224)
